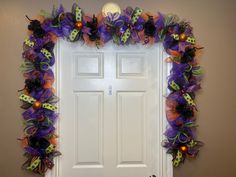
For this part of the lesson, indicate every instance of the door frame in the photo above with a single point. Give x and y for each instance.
(163, 69)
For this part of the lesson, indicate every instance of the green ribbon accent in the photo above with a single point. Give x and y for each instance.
(77, 11)
(59, 20)
(125, 36)
(29, 43)
(178, 137)
(44, 63)
(189, 69)
(27, 67)
(31, 100)
(171, 19)
(30, 127)
(135, 16)
(186, 96)
(116, 39)
(50, 149)
(29, 124)
(46, 53)
(74, 34)
(27, 98)
(177, 159)
(197, 71)
(190, 124)
(191, 40)
(175, 36)
(174, 85)
(189, 100)
(34, 164)
(48, 122)
(78, 14)
(49, 106)
(191, 144)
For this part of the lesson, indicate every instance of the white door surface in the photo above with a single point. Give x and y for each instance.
(109, 111)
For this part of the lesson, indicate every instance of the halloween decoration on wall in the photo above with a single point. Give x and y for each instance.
(129, 27)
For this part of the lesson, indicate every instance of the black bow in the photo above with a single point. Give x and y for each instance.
(93, 36)
(35, 26)
(149, 27)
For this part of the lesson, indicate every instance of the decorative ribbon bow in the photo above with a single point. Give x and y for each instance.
(36, 162)
(186, 96)
(184, 38)
(135, 16)
(44, 51)
(33, 126)
(190, 146)
(29, 66)
(43, 65)
(34, 102)
(77, 11)
(181, 136)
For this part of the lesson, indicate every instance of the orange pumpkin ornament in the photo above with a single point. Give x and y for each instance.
(37, 105)
(183, 148)
(183, 37)
(79, 25)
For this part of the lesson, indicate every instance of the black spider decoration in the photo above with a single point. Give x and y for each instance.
(188, 55)
(185, 110)
(38, 143)
(149, 27)
(33, 84)
(49, 46)
(92, 25)
(36, 28)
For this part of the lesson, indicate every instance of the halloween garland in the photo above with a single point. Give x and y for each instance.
(132, 26)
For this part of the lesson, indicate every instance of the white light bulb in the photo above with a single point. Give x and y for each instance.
(110, 7)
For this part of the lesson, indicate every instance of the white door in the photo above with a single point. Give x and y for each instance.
(109, 111)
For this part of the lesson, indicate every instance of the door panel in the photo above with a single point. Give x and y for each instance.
(89, 150)
(89, 65)
(131, 65)
(109, 102)
(131, 129)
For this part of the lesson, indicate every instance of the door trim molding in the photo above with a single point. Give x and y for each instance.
(163, 69)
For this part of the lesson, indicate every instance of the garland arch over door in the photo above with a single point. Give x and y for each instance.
(131, 27)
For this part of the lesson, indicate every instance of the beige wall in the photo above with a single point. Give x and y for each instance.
(214, 26)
